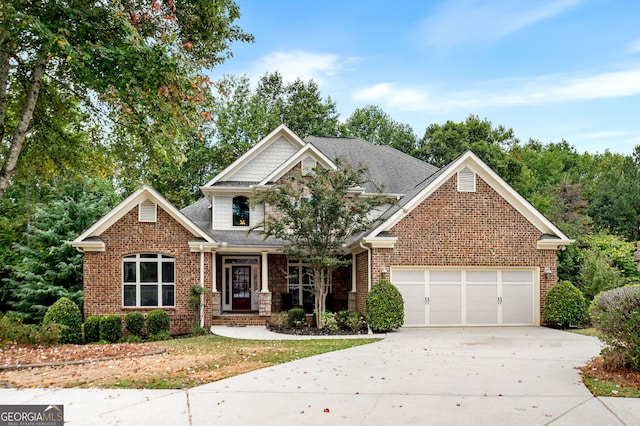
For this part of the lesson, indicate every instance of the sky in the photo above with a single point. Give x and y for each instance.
(551, 70)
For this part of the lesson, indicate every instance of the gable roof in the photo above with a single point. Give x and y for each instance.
(552, 237)
(388, 170)
(89, 240)
(254, 152)
(307, 151)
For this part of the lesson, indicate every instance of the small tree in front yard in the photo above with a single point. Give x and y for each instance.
(316, 213)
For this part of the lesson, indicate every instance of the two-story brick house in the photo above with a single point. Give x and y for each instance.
(461, 245)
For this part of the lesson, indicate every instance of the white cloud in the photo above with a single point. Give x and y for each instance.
(300, 64)
(551, 89)
(465, 21)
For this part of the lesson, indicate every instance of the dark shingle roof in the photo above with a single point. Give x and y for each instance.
(389, 170)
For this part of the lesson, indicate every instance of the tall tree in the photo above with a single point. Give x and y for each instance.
(374, 125)
(135, 68)
(442, 144)
(316, 214)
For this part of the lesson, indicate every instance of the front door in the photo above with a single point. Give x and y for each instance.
(241, 287)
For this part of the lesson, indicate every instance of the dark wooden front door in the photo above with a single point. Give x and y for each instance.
(241, 288)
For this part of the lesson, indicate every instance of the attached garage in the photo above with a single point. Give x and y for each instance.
(469, 296)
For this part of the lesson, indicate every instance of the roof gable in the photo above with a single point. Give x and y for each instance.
(262, 159)
(553, 236)
(88, 241)
(307, 151)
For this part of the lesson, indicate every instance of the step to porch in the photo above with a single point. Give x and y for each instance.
(239, 319)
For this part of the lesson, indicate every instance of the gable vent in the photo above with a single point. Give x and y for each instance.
(308, 164)
(466, 180)
(147, 211)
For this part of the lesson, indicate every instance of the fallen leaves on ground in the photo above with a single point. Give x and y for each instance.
(598, 369)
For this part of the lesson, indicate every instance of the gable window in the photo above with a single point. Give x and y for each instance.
(240, 211)
(148, 280)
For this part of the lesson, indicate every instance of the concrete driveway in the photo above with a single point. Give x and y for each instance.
(429, 376)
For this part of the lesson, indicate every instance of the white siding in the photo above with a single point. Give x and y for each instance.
(223, 214)
(265, 162)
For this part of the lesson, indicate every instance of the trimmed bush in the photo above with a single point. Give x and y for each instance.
(134, 323)
(111, 328)
(297, 318)
(350, 320)
(329, 320)
(13, 330)
(385, 307)
(281, 319)
(92, 329)
(616, 315)
(66, 314)
(157, 322)
(565, 305)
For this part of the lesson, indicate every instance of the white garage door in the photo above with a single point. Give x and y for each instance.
(467, 296)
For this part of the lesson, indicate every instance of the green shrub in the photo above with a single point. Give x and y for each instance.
(350, 320)
(329, 320)
(13, 330)
(565, 305)
(281, 319)
(616, 316)
(163, 335)
(132, 338)
(157, 322)
(92, 329)
(65, 313)
(385, 307)
(134, 323)
(111, 328)
(297, 318)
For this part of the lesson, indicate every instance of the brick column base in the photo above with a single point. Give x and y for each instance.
(351, 303)
(264, 304)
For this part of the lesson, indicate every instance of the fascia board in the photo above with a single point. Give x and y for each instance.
(281, 130)
(87, 245)
(308, 149)
(146, 192)
(554, 244)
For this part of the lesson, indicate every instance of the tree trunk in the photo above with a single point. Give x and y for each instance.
(4, 80)
(11, 160)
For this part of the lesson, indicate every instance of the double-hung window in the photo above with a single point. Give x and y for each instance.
(301, 284)
(148, 280)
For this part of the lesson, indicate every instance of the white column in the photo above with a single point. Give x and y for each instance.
(353, 272)
(214, 271)
(201, 285)
(265, 273)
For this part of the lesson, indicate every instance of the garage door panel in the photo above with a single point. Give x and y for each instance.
(413, 296)
(404, 276)
(482, 304)
(517, 303)
(445, 304)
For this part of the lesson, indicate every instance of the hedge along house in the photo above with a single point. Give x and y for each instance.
(461, 245)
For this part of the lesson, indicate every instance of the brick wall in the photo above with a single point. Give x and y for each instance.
(454, 228)
(103, 270)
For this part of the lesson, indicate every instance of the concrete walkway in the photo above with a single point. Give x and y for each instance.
(434, 376)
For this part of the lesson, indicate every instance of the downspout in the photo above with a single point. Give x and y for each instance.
(202, 286)
(368, 266)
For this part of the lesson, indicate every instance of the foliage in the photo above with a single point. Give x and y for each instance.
(616, 315)
(157, 322)
(111, 328)
(350, 320)
(92, 329)
(329, 321)
(281, 319)
(136, 71)
(316, 214)
(384, 307)
(65, 313)
(198, 331)
(565, 305)
(48, 267)
(597, 273)
(134, 323)
(161, 335)
(13, 330)
(296, 318)
(375, 126)
(194, 302)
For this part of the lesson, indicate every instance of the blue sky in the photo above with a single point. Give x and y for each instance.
(549, 69)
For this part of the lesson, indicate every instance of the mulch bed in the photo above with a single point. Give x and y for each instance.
(314, 331)
(598, 369)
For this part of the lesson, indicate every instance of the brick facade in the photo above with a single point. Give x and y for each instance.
(452, 228)
(103, 270)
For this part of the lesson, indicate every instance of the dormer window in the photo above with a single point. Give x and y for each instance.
(240, 211)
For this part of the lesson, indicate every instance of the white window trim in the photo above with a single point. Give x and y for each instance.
(159, 259)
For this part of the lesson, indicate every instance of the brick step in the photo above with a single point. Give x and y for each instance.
(239, 319)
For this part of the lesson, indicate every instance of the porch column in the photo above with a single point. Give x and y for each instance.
(351, 301)
(264, 297)
(216, 296)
